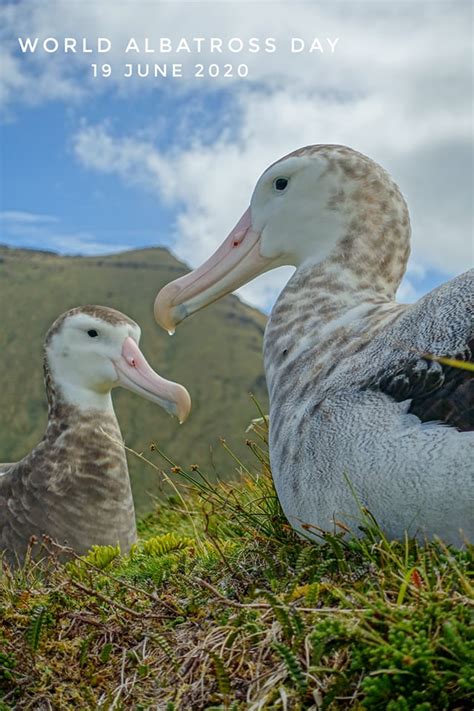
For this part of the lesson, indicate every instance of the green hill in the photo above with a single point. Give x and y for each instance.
(217, 356)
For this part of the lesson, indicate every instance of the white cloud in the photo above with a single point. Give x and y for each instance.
(385, 47)
(211, 184)
(407, 292)
(398, 88)
(81, 243)
(27, 229)
(22, 218)
(12, 79)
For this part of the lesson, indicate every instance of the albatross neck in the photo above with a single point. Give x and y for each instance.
(327, 311)
(68, 405)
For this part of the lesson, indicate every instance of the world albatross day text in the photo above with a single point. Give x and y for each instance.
(186, 45)
(167, 46)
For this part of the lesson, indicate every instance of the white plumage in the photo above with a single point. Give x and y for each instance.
(360, 413)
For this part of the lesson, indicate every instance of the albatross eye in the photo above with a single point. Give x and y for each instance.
(92, 333)
(280, 184)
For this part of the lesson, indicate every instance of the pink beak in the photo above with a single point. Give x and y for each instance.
(235, 262)
(135, 374)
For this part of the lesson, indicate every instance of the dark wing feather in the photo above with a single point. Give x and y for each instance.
(438, 392)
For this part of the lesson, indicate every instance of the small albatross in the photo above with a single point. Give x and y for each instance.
(74, 486)
(359, 415)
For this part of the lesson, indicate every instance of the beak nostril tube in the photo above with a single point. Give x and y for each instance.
(131, 361)
(235, 262)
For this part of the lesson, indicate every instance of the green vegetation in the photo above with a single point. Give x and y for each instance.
(216, 356)
(221, 606)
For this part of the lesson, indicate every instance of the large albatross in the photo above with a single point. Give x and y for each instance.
(361, 415)
(74, 486)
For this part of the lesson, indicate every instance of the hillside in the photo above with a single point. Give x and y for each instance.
(217, 356)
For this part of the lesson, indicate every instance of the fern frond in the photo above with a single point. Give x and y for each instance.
(293, 666)
(102, 556)
(35, 626)
(221, 674)
(280, 611)
(166, 543)
(165, 645)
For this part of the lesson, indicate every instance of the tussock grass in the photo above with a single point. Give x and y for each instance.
(221, 606)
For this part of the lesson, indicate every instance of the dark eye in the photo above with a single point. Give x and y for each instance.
(92, 333)
(280, 183)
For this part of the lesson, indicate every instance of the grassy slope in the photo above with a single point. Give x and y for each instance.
(217, 356)
(221, 606)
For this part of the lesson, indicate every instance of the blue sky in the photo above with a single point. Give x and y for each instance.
(97, 166)
(41, 176)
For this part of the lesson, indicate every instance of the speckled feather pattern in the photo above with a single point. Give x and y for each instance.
(74, 486)
(336, 328)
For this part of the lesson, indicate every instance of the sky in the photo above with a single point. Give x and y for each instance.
(93, 165)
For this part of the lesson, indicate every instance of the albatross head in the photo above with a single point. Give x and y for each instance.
(90, 350)
(319, 202)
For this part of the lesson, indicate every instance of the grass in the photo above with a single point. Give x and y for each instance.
(221, 606)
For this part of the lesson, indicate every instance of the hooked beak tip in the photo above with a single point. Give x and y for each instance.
(182, 404)
(235, 262)
(164, 310)
(136, 374)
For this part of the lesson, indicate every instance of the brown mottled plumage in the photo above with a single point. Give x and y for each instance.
(74, 486)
